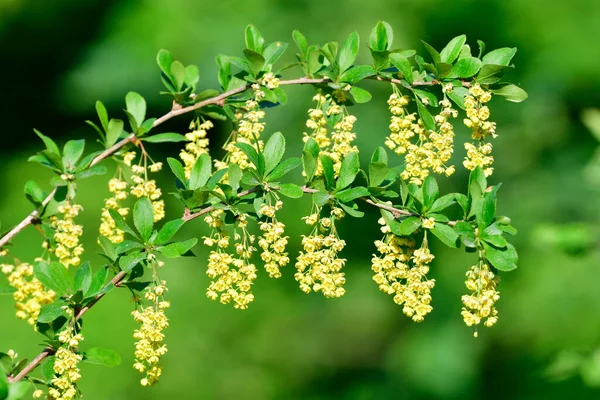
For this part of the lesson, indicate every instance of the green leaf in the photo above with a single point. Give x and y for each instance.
(50, 312)
(442, 203)
(102, 114)
(201, 172)
(348, 195)
(466, 233)
(83, 277)
(97, 283)
(113, 131)
(131, 260)
(435, 56)
(465, 68)
(164, 59)
(291, 190)
(177, 169)
(409, 226)
(165, 137)
(379, 155)
(360, 96)
(48, 368)
(349, 51)
(54, 276)
(3, 386)
(97, 355)
(403, 65)
(377, 173)
(430, 191)
(452, 49)
(177, 75)
(191, 76)
(50, 144)
(108, 247)
(273, 52)
(256, 61)
(72, 152)
(494, 240)
(168, 231)
(93, 171)
(501, 56)
(348, 170)
(34, 192)
(446, 234)
(352, 211)
(501, 259)
(143, 217)
(328, 171)
(301, 42)
(381, 36)
(127, 245)
(310, 158)
(254, 40)
(425, 115)
(273, 151)
(511, 93)
(488, 209)
(357, 73)
(121, 224)
(177, 249)
(136, 106)
(283, 168)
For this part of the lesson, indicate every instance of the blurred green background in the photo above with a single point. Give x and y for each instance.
(59, 57)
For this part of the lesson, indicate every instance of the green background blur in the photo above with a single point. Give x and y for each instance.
(58, 57)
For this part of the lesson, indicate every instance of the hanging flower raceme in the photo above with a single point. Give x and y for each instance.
(108, 228)
(149, 346)
(272, 241)
(319, 267)
(426, 151)
(232, 275)
(337, 144)
(144, 187)
(66, 366)
(400, 270)
(30, 295)
(250, 125)
(197, 145)
(480, 304)
(478, 114)
(67, 233)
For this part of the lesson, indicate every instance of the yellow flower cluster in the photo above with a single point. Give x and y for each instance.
(432, 150)
(30, 295)
(232, 275)
(479, 305)
(198, 144)
(149, 346)
(339, 143)
(319, 267)
(272, 241)
(63, 385)
(478, 115)
(402, 272)
(145, 187)
(108, 229)
(250, 126)
(67, 233)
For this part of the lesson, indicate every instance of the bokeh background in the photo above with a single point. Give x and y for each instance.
(59, 57)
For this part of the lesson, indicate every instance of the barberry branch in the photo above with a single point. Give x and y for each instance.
(48, 351)
(175, 111)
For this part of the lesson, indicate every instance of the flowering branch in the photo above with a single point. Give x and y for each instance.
(217, 100)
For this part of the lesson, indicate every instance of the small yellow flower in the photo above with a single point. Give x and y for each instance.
(428, 223)
(66, 370)
(67, 233)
